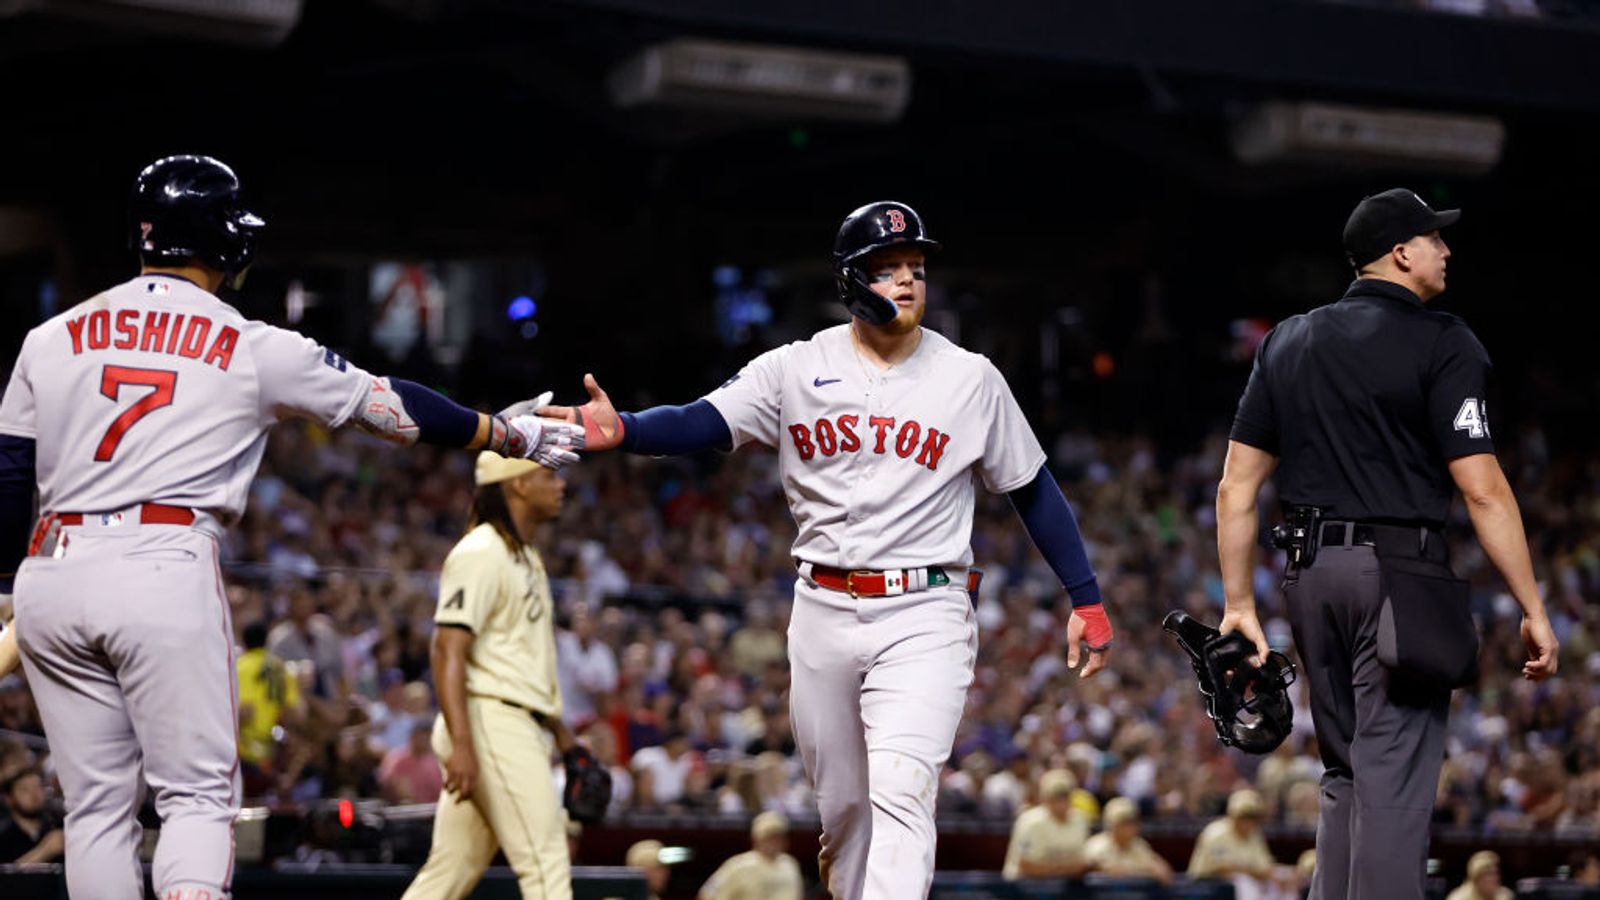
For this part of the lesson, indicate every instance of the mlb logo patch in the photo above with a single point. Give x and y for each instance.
(159, 288)
(333, 360)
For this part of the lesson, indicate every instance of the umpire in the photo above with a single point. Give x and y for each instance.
(1374, 405)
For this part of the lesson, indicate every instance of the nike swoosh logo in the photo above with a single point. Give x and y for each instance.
(819, 382)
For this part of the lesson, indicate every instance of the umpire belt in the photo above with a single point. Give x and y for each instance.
(890, 582)
(1394, 541)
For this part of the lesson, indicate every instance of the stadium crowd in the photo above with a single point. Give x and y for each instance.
(673, 579)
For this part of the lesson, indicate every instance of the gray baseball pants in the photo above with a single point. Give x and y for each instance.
(128, 647)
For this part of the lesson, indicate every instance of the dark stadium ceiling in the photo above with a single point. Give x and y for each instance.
(379, 125)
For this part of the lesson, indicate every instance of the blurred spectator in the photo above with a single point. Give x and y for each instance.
(1585, 868)
(662, 773)
(391, 724)
(30, 834)
(1048, 840)
(1483, 879)
(777, 736)
(410, 773)
(646, 857)
(586, 668)
(765, 872)
(1232, 848)
(308, 635)
(269, 698)
(14, 757)
(1303, 805)
(17, 711)
(1119, 851)
(757, 644)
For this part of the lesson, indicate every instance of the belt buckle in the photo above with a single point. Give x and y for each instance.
(849, 582)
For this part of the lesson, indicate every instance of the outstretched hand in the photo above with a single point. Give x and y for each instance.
(602, 427)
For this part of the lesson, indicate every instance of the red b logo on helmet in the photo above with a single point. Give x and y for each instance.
(897, 220)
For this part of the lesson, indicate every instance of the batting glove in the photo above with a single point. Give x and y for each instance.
(550, 444)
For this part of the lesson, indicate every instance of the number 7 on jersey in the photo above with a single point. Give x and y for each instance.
(112, 378)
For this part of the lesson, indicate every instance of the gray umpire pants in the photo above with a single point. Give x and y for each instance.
(1381, 748)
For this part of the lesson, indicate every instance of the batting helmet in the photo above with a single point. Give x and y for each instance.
(188, 207)
(865, 231)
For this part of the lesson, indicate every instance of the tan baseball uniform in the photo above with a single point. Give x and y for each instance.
(504, 599)
(1103, 853)
(1220, 848)
(1040, 837)
(754, 876)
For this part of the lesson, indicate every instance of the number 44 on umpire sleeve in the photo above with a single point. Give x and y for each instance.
(1473, 418)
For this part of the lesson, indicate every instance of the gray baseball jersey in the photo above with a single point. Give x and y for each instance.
(156, 391)
(879, 466)
(153, 392)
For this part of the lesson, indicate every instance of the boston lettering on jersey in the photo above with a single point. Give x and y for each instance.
(150, 331)
(838, 435)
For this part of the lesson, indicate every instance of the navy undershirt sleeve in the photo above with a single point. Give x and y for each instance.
(675, 430)
(17, 481)
(439, 419)
(1049, 520)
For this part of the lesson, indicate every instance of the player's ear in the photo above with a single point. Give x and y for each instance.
(1401, 254)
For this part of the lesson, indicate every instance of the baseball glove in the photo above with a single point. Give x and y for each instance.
(588, 790)
(1249, 706)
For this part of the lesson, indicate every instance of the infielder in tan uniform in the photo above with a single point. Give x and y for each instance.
(494, 666)
(765, 872)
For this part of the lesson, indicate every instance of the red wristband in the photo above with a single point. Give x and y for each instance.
(1096, 627)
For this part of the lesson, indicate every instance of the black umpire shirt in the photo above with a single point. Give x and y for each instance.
(1365, 401)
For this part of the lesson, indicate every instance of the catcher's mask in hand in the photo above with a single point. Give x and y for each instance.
(1249, 705)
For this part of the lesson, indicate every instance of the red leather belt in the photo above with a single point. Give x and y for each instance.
(891, 583)
(149, 514)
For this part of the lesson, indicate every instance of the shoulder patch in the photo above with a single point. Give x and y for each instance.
(333, 360)
(458, 600)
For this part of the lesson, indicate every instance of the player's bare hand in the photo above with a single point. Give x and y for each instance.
(602, 427)
(1246, 623)
(1089, 627)
(1544, 651)
(461, 773)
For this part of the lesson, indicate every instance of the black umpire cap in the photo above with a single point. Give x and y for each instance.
(1392, 217)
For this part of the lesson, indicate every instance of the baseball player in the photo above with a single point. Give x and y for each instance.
(764, 872)
(883, 429)
(494, 666)
(142, 414)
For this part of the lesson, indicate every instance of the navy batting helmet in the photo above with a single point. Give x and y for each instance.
(865, 231)
(188, 207)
